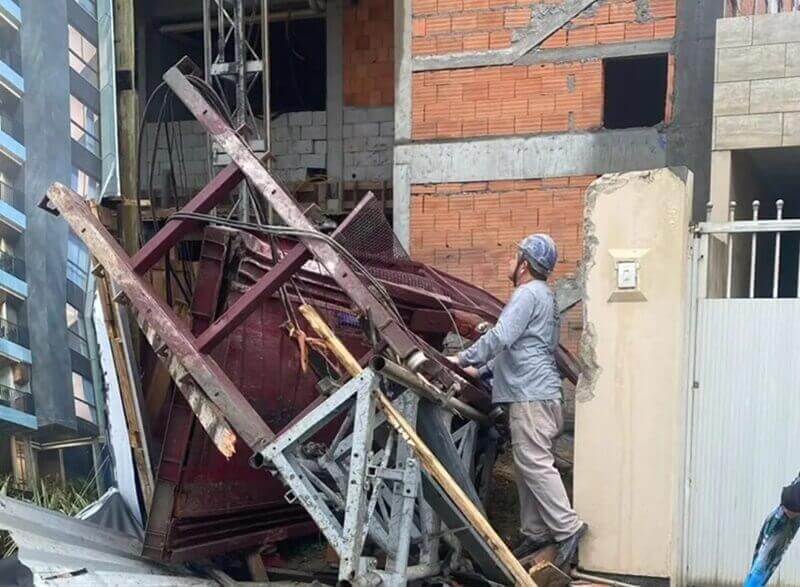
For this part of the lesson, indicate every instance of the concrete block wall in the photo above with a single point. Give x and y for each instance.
(757, 82)
(367, 141)
(299, 143)
(190, 135)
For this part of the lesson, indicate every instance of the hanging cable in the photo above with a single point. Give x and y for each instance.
(356, 265)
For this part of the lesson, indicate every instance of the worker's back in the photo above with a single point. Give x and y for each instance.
(527, 369)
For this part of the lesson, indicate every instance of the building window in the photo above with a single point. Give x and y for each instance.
(89, 6)
(635, 91)
(76, 331)
(84, 125)
(83, 391)
(85, 184)
(83, 56)
(77, 262)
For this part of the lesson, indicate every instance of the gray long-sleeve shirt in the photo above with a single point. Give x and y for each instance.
(521, 347)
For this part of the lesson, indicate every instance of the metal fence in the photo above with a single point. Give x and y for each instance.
(761, 256)
(10, 126)
(12, 196)
(753, 7)
(742, 412)
(18, 399)
(14, 333)
(12, 58)
(77, 343)
(13, 265)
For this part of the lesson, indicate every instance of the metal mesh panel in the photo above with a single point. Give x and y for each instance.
(370, 239)
(370, 236)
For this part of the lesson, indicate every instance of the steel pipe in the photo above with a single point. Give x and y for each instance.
(412, 381)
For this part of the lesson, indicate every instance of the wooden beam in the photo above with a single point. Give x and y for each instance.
(424, 454)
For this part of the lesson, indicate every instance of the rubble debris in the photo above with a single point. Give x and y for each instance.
(386, 502)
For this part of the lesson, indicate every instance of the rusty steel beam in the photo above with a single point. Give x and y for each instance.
(267, 285)
(284, 205)
(172, 232)
(263, 288)
(213, 396)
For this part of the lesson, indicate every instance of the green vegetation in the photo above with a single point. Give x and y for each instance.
(48, 493)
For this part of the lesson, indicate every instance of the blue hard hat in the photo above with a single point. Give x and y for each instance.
(540, 251)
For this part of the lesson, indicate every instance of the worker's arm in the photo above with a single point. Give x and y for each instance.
(512, 323)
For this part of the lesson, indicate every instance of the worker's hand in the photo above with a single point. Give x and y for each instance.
(472, 372)
(453, 359)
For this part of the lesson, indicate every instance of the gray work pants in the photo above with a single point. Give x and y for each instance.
(545, 511)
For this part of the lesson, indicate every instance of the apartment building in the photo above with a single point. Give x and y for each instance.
(51, 407)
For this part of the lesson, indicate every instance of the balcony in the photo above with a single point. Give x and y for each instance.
(16, 410)
(10, 137)
(10, 12)
(11, 207)
(11, 71)
(14, 344)
(12, 275)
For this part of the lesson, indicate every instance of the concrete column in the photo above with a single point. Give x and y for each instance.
(720, 189)
(48, 147)
(334, 100)
(401, 188)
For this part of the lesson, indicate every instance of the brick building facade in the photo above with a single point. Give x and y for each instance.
(468, 228)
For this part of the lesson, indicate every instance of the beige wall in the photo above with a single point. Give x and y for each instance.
(757, 82)
(628, 444)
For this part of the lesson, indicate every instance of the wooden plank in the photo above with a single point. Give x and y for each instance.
(423, 453)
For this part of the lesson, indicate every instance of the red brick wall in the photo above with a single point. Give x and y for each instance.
(617, 21)
(368, 53)
(456, 26)
(471, 229)
(513, 99)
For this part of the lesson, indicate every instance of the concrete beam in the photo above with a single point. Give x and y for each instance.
(556, 155)
(547, 19)
(596, 52)
(401, 185)
(334, 99)
(402, 70)
(519, 158)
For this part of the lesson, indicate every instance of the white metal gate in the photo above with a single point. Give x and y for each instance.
(744, 405)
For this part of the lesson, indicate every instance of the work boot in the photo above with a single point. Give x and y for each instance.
(528, 546)
(569, 546)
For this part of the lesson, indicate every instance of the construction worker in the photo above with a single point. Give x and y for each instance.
(775, 537)
(519, 353)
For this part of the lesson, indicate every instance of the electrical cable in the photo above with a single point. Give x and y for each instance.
(301, 233)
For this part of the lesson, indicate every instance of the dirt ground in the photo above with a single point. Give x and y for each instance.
(503, 507)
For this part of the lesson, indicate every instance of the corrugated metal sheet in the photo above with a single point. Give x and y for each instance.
(745, 434)
(61, 550)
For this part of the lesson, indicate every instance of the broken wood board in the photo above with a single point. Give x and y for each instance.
(546, 574)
